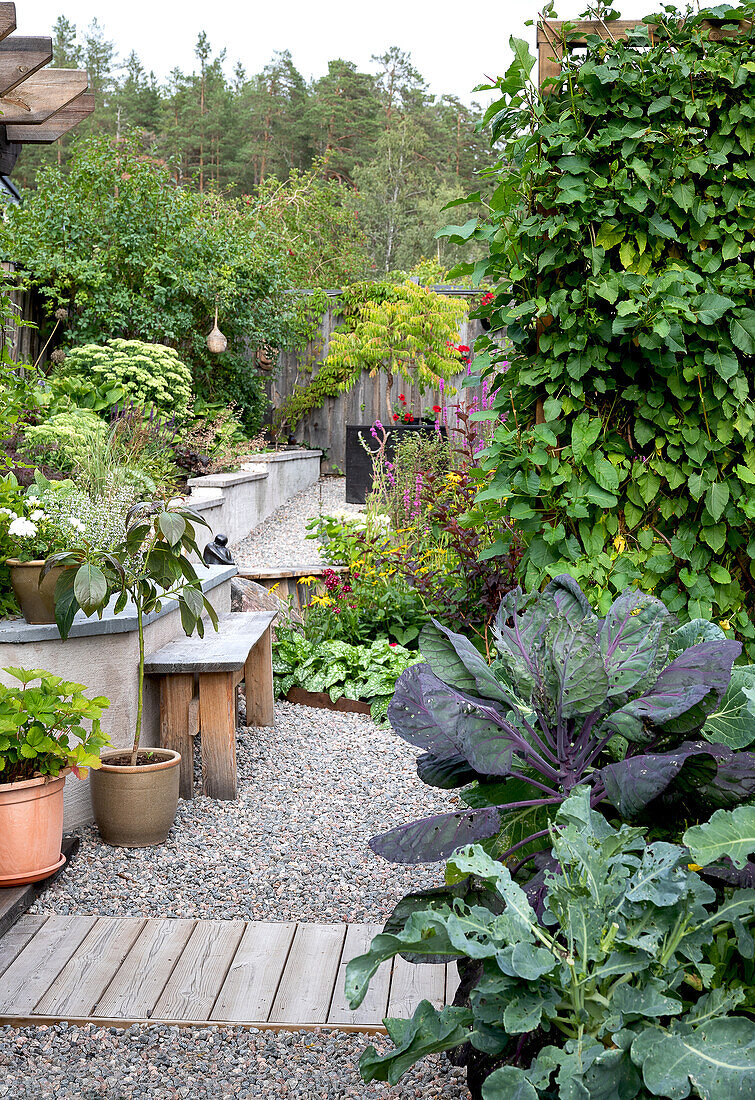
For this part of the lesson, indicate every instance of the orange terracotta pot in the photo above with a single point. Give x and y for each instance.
(31, 829)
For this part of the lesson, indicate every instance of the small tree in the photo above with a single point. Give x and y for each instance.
(149, 567)
(406, 330)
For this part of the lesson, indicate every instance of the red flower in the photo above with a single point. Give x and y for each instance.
(437, 409)
(402, 398)
(393, 643)
(463, 348)
(408, 418)
(395, 416)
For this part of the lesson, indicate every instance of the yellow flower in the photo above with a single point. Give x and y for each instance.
(620, 543)
(694, 867)
(724, 624)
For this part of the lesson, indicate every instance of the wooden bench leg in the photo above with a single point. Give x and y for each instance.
(217, 711)
(176, 693)
(258, 683)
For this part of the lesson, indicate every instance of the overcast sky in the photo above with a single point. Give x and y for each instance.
(453, 45)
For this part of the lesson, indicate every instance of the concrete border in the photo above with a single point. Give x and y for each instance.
(233, 504)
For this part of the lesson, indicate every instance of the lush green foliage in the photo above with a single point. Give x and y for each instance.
(41, 730)
(620, 229)
(130, 255)
(637, 708)
(403, 330)
(608, 992)
(148, 374)
(366, 672)
(64, 438)
(373, 149)
(149, 566)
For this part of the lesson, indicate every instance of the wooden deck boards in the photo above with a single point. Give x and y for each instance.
(122, 970)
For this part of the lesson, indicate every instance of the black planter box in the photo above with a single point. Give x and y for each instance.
(360, 443)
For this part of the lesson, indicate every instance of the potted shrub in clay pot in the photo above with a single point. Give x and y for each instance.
(42, 740)
(29, 537)
(135, 793)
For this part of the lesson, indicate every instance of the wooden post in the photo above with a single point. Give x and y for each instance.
(176, 693)
(258, 683)
(217, 721)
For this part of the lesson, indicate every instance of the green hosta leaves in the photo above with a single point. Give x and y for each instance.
(728, 833)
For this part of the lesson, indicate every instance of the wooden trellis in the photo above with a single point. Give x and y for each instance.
(37, 104)
(557, 37)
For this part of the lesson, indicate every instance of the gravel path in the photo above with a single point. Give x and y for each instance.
(280, 542)
(312, 791)
(169, 1063)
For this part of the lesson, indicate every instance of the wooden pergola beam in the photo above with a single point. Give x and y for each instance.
(20, 58)
(42, 95)
(7, 19)
(552, 43)
(58, 124)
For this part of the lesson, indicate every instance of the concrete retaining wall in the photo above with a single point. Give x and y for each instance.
(233, 504)
(104, 655)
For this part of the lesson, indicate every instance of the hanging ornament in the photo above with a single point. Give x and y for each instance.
(216, 341)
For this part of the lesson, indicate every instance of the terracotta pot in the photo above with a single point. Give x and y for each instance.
(37, 600)
(31, 829)
(135, 806)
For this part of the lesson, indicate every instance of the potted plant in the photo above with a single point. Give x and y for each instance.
(135, 793)
(29, 537)
(42, 740)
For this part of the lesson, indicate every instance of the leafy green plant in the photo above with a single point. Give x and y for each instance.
(149, 567)
(619, 240)
(620, 704)
(605, 993)
(148, 374)
(403, 331)
(352, 671)
(133, 256)
(342, 535)
(48, 726)
(63, 439)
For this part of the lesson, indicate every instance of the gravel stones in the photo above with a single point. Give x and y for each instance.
(280, 542)
(153, 1062)
(293, 846)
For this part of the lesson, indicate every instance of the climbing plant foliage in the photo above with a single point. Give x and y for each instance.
(405, 330)
(621, 236)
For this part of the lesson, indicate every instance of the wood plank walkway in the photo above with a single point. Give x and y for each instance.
(123, 970)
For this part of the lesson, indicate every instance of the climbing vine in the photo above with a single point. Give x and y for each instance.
(404, 330)
(621, 238)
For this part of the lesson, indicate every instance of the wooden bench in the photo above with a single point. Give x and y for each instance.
(198, 680)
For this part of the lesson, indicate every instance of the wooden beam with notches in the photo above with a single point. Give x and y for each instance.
(41, 96)
(58, 124)
(7, 19)
(20, 58)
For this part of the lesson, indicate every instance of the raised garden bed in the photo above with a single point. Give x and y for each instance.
(322, 701)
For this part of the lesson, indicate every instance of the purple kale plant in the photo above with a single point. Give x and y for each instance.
(640, 710)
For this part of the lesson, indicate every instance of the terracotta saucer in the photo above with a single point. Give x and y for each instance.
(23, 880)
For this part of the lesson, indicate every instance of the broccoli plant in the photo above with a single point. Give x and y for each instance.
(609, 993)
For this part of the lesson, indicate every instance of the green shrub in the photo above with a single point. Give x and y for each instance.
(65, 438)
(128, 254)
(41, 731)
(621, 242)
(150, 374)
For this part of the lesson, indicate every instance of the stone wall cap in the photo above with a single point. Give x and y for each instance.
(15, 631)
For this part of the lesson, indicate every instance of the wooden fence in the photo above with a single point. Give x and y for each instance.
(325, 428)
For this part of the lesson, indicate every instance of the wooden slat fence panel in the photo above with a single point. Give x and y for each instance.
(325, 428)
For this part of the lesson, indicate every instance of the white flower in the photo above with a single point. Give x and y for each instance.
(24, 528)
(75, 523)
(8, 512)
(37, 514)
